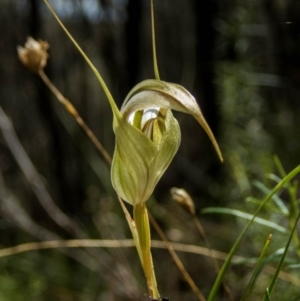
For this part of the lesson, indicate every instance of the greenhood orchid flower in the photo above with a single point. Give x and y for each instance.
(148, 137)
(147, 134)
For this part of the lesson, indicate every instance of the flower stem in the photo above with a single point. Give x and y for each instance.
(143, 229)
(156, 72)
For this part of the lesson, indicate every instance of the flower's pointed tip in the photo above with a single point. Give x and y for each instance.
(220, 155)
(216, 145)
(211, 136)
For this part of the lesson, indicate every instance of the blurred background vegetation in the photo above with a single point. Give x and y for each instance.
(240, 59)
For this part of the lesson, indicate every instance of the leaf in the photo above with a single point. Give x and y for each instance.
(247, 216)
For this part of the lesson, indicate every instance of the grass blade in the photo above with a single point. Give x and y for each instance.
(278, 201)
(245, 215)
(275, 277)
(257, 269)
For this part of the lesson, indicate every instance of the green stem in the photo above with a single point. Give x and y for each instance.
(99, 77)
(275, 277)
(156, 73)
(143, 229)
(257, 269)
(294, 211)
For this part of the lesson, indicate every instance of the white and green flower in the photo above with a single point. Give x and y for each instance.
(148, 136)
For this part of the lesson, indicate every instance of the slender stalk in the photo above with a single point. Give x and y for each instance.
(98, 76)
(143, 229)
(71, 109)
(133, 230)
(292, 189)
(275, 277)
(257, 269)
(156, 72)
(129, 243)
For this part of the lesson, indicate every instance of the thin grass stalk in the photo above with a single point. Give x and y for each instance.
(275, 277)
(133, 229)
(129, 243)
(293, 212)
(267, 295)
(257, 269)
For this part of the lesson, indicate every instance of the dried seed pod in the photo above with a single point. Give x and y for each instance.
(183, 199)
(34, 55)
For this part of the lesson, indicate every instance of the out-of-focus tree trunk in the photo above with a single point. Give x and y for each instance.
(133, 28)
(284, 27)
(205, 36)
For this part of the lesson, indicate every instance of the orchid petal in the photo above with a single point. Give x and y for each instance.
(133, 154)
(158, 93)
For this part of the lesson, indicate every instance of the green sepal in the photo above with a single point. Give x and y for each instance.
(138, 163)
(133, 154)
